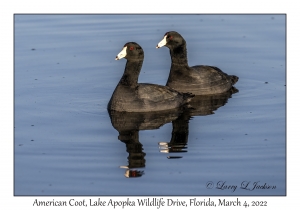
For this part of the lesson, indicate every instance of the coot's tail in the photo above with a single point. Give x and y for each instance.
(233, 90)
(234, 79)
(188, 97)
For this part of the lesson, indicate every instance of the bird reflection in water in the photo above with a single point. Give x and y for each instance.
(202, 105)
(128, 124)
(179, 139)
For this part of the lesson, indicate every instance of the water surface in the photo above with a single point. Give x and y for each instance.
(66, 143)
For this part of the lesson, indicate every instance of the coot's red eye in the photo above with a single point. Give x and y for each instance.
(171, 37)
(131, 48)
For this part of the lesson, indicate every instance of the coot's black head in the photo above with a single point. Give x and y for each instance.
(172, 39)
(131, 51)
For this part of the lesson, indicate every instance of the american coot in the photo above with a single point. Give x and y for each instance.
(200, 79)
(130, 96)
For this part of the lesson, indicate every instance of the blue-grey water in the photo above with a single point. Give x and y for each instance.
(65, 142)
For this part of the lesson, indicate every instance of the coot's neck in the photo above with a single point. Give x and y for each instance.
(131, 73)
(179, 55)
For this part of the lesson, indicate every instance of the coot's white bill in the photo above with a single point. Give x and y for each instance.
(163, 42)
(122, 54)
